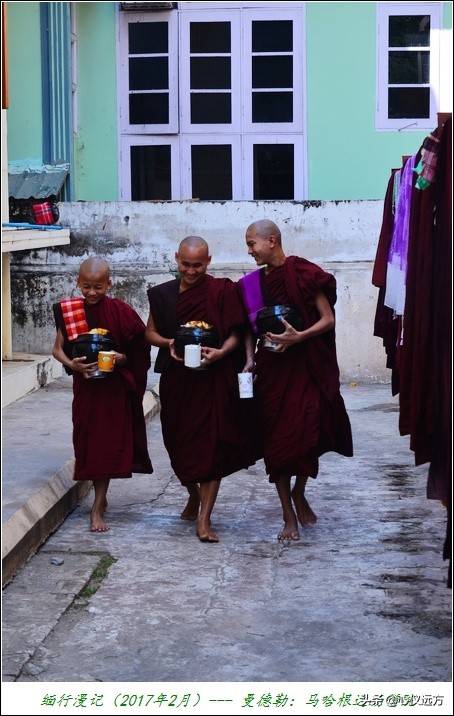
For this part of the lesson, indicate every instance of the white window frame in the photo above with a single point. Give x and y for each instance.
(241, 139)
(146, 140)
(298, 162)
(236, 4)
(125, 18)
(211, 15)
(384, 10)
(188, 140)
(298, 92)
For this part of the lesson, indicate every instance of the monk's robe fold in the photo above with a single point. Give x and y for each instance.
(109, 432)
(302, 410)
(200, 409)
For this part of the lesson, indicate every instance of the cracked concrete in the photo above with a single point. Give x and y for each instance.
(361, 597)
(38, 490)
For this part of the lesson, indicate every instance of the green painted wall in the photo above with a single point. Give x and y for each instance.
(347, 157)
(95, 148)
(24, 118)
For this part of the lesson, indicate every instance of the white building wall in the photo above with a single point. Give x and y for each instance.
(139, 240)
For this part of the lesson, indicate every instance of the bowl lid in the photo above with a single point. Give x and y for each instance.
(94, 337)
(194, 330)
(278, 310)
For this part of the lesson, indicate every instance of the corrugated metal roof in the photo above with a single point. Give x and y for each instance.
(38, 182)
(151, 6)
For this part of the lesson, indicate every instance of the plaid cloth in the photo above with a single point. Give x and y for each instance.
(42, 213)
(427, 167)
(73, 312)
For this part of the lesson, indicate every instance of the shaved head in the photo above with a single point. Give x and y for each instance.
(193, 258)
(94, 279)
(194, 242)
(94, 264)
(265, 228)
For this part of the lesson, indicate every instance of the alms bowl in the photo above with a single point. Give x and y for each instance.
(269, 319)
(186, 335)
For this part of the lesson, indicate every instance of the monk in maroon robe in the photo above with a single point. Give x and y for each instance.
(109, 433)
(302, 411)
(200, 411)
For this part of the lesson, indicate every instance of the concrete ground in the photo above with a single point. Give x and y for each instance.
(362, 596)
(38, 491)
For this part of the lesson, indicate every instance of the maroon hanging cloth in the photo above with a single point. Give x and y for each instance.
(386, 326)
(416, 369)
(109, 432)
(439, 483)
(386, 235)
(440, 473)
(200, 409)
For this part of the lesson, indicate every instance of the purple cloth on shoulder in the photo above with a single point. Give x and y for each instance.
(251, 291)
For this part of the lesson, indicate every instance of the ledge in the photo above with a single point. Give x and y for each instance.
(26, 239)
(25, 373)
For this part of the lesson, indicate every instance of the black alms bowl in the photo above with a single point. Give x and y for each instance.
(186, 336)
(89, 345)
(268, 319)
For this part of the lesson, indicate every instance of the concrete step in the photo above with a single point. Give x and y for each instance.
(25, 373)
(38, 466)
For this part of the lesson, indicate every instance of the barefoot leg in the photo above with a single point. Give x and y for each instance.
(290, 529)
(306, 515)
(97, 523)
(208, 494)
(191, 510)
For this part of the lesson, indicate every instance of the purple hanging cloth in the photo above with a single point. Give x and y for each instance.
(398, 251)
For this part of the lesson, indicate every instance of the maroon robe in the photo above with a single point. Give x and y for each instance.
(109, 433)
(386, 235)
(200, 409)
(439, 484)
(386, 326)
(302, 412)
(417, 371)
(440, 473)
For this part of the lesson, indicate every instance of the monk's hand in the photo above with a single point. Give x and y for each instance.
(120, 359)
(288, 338)
(79, 366)
(249, 365)
(172, 351)
(211, 355)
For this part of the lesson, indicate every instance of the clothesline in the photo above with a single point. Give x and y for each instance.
(414, 309)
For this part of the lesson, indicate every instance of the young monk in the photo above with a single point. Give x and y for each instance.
(109, 428)
(199, 408)
(302, 413)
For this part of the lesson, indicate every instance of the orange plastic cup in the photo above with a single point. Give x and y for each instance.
(106, 361)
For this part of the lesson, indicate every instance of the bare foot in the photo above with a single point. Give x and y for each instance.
(205, 532)
(289, 531)
(305, 514)
(191, 511)
(97, 523)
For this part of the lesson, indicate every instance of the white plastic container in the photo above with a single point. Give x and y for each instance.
(192, 356)
(245, 385)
